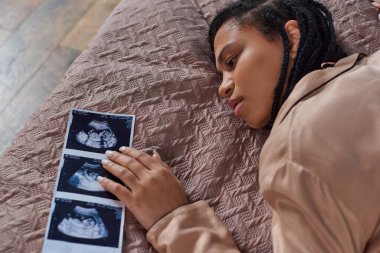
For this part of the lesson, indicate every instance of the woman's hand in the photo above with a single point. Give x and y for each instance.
(151, 190)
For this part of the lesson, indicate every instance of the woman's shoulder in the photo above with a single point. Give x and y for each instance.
(343, 105)
(325, 114)
(336, 119)
(332, 133)
(336, 94)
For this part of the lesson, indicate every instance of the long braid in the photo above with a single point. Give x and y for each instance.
(312, 51)
(317, 41)
(284, 69)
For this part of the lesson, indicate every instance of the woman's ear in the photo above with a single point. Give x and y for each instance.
(294, 35)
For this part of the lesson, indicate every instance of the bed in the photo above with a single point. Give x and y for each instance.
(151, 58)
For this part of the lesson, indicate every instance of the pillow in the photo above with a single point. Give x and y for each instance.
(356, 24)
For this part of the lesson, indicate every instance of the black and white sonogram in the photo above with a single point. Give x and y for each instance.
(79, 175)
(95, 132)
(85, 223)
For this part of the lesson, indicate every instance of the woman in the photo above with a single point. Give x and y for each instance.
(323, 189)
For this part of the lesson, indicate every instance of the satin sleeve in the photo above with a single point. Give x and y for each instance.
(307, 216)
(192, 228)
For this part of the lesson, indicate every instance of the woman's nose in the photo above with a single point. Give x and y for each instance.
(226, 88)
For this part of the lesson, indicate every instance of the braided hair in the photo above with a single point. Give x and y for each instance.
(317, 41)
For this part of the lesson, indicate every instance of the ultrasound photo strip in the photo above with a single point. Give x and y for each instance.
(83, 216)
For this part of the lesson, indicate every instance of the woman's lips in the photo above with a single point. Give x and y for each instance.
(237, 108)
(236, 105)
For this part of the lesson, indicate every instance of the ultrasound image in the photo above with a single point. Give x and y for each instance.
(79, 175)
(86, 178)
(85, 222)
(100, 135)
(94, 132)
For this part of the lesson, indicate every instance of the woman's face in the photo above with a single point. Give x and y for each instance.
(250, 64)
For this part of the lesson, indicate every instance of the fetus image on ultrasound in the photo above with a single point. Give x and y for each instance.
(86, 178)
(79, 175)
(85, 222)
(99, 135)
(94, 132)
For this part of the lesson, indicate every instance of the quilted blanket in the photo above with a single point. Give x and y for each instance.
(150, 58)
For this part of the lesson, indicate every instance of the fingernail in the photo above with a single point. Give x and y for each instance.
(379, 17)
(122, 149)
(109, 153)
(105, 161)
(100, 179)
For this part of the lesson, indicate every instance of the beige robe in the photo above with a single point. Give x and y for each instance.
(319, 171)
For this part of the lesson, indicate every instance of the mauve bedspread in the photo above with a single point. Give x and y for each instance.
(150, 58)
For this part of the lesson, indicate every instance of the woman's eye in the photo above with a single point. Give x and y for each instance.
(231, 62)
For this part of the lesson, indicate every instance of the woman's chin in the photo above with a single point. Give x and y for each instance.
(256, 123)
(254, 126)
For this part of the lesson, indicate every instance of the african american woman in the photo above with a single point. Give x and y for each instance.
(281, 70)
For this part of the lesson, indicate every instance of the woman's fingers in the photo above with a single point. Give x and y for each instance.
(156, 155)
(137, 168)
(125, 175)
(116, 189)
(146, 160)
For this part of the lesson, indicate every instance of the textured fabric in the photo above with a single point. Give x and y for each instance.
(191, 228)
(319, 169)
(150, 58)
(356, 24)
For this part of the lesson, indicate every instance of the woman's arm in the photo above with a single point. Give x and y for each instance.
(191, 228)
(158, 201)
(308, 216)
